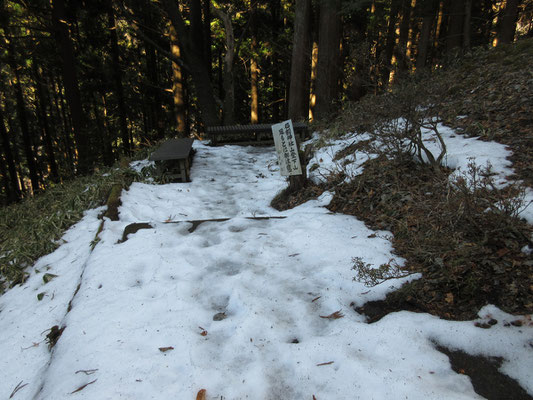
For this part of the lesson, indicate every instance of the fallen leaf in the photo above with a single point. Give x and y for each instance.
(165, 349)
(201, 395)
(335, 315)
(449, 298)
(83, 387)
(204, 332)
(315, 299)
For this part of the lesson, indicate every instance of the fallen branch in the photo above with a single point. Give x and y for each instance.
(326, 363)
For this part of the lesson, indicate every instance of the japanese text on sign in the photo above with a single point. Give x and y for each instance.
(287, 149)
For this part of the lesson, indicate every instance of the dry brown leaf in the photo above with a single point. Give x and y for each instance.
(201, 394)
(204, 332)
(165, 349)
(335, 315)
(83, 387)
(449, 298)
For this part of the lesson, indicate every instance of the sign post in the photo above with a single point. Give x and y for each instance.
(287, 148)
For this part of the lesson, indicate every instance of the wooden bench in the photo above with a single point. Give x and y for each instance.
(173, 159)
(250, 134)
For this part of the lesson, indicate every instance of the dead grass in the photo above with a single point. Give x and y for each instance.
(468, 250)
(33, 228)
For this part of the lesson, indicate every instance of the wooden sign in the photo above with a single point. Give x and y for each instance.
(287, 148)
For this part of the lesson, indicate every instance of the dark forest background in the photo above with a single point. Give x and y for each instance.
(83, 83)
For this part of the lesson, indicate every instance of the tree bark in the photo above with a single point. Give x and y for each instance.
(254, 69)
(228, 107)
(429, 11)
(196, 65)
(178, 90)
(300, 63)
(117, 77)
(15, 193)
(390, 42)
(43, 117)
(72, 91)
(508, 23)
(328, 57)
(467, 32)
(21, 114)
(454, 37)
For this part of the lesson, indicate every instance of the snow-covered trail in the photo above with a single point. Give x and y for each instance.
(238, 306)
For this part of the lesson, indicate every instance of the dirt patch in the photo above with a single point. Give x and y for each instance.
(134, 228)
(288, 198)
(485, 376)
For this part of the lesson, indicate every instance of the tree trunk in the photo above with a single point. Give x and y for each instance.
(508, 23)
(454, 39)
(254, 69)
(467, 32)
(21, 114)
(178, 90)
(228, 107)
(117, 77)
(329, 36)
(106, 136)
(43, 118)
(300, 63)
(14, 194)
(428, 17)
(59, 105)
(390, 42)
(72, 91)
(154, 95)
(196, 65)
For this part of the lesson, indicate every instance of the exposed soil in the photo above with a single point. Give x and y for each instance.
(485, 376)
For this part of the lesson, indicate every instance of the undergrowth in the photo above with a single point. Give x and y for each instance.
(463, 234)
(33, 228)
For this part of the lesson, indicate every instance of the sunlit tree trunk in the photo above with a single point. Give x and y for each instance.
(254, 69)
(390, 42)
(178, 90)
(196, 65)
(300, 62)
